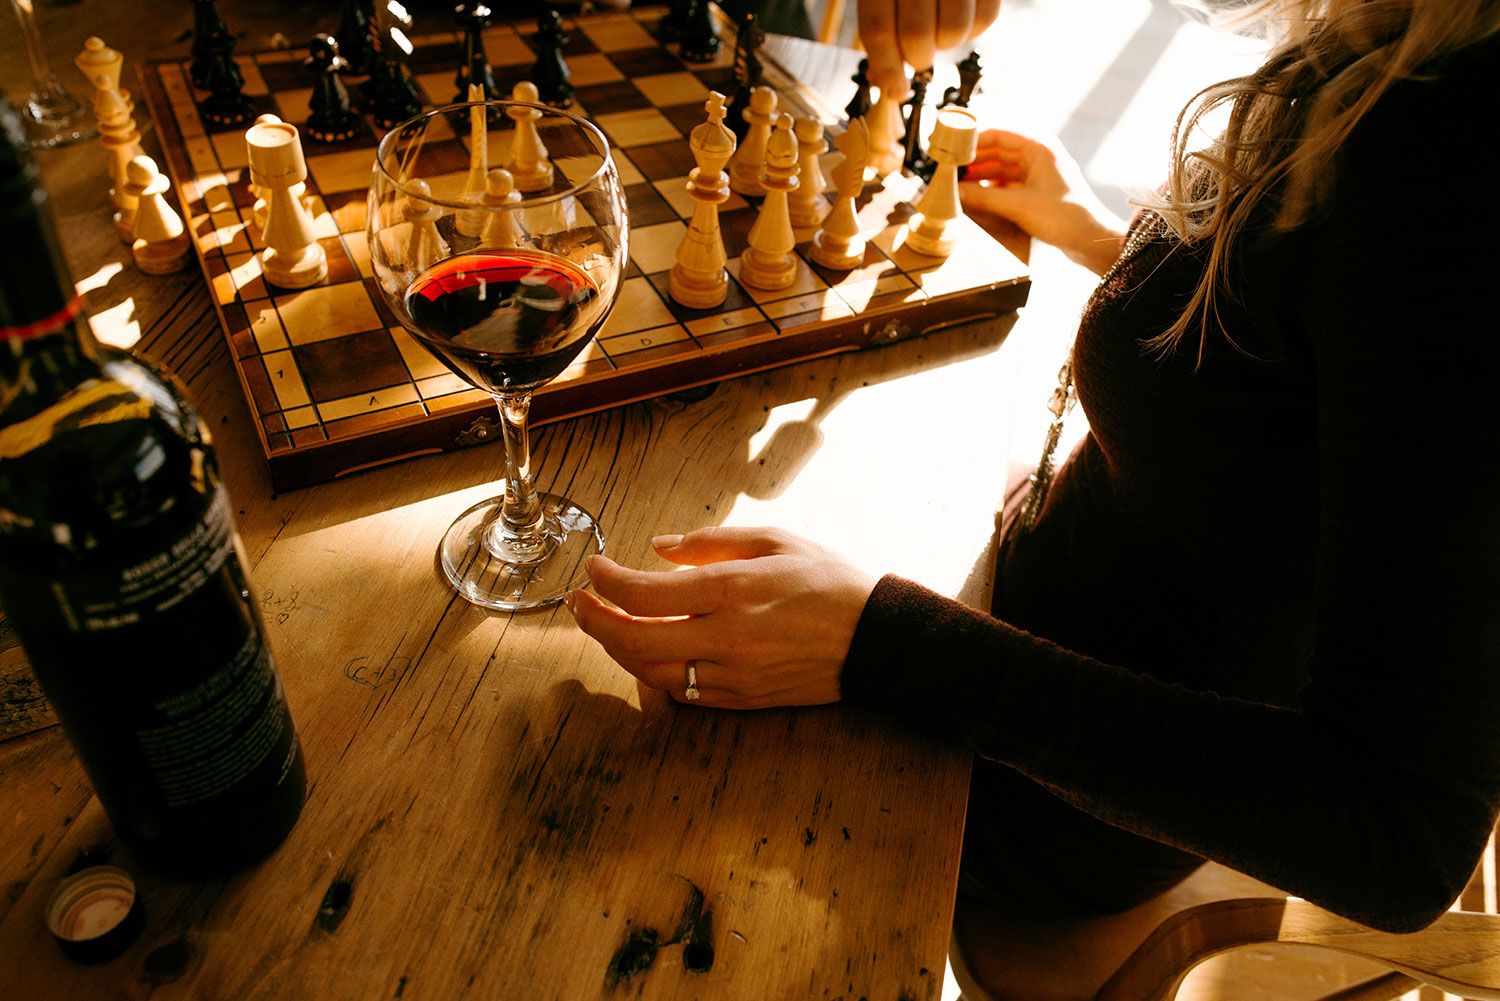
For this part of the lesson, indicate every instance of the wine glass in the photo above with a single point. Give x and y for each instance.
(53, 117)
(505, 276)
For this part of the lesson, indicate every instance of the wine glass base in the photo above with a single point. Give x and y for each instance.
(487, 578)
(57, 119)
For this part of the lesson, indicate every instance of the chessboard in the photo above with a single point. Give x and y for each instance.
(337, 385)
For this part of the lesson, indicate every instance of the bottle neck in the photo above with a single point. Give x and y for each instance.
(46, 347)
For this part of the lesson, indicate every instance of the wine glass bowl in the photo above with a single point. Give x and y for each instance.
(498, 236)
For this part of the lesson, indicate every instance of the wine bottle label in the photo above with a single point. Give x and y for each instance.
(102, 401)
(116, 597)
(216, 734)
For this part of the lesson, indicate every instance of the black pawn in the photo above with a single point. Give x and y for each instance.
(669, 28)
(225, 104)
(211, 41)
(393, 94)
(550, 72)
(331, 119)
(859, 105)
(699, 42)
(915, 158)
(356, 42)
(747, 75)
(474, 18)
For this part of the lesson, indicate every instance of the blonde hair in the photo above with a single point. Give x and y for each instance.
(1288, 119)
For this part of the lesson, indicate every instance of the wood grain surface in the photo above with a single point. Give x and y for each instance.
(495, 809)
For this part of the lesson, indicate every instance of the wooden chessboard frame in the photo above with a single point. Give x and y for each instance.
(338, 386)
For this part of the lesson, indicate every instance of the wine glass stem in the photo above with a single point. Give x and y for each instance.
(521, 522)
(44, 82)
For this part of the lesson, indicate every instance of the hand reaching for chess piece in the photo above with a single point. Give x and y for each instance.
(1038, 187)
(922, 29)
(764, 617)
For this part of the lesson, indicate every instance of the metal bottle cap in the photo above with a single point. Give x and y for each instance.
(95, 914)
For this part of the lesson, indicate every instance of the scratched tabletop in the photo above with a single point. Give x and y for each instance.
(494, 808)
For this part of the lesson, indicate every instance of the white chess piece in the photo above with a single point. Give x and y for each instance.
(839, 244)
(471, 222)
(101, 66)
(424, 244)
(118, 133)
(806, 204)
(698, 279)
(745, 167)
(886, 130)
(502, 229)
(528, 163)
(262, 205)
(768, 262)
(955, 139)
(292, 257)
(160, 243)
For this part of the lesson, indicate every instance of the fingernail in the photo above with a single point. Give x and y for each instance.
(588, 566)
(666, 541)
(568, 600)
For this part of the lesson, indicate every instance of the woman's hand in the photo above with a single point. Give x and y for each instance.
(1039, 188)
(765, 617)
(895, 32)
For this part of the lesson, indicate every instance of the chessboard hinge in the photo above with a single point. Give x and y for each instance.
(897, 329)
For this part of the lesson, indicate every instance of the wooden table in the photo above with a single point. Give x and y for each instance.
(495, 809)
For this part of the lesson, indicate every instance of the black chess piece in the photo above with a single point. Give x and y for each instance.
(859, 105)
(330, 118)
(474, 18)
(669, 28)
(968, 78)
(393, 93)
(698, 42)
(356, 41)
(211, 41)
(225, 103)
(550, 72)
(915, 158)
(747, 74)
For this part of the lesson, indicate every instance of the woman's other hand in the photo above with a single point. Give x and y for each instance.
(1041, 189)
(765, 617)
(899, 32)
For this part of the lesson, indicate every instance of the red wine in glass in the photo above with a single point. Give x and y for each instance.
(506, 320)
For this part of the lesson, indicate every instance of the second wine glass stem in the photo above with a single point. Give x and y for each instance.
(521, 526)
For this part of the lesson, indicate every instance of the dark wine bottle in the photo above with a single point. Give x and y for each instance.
(122, 574)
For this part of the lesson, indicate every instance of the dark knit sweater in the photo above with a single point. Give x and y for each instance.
(1259, 617)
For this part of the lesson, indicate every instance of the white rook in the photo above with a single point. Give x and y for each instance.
(955, 141)
(292, 257)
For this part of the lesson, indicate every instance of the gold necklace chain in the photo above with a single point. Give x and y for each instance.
(1148, 227)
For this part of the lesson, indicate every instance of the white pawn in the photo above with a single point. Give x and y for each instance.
(955, 139)
(698, 279)
(886, 131)
(471, 222)
(424, 244)
(292, 257)
(528, 163)
(768, 262)
(160, 244)
(502, 228)
(744, 169)
(806, 204)
(839, 244)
